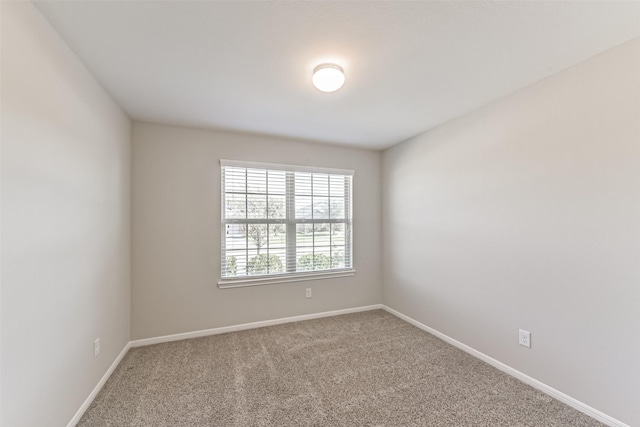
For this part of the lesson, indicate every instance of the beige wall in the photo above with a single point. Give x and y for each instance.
(65, 224)
(526, 214)
(176, 231)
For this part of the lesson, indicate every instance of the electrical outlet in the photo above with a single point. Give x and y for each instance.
(308, 292)
(524, 338)
(96, 347)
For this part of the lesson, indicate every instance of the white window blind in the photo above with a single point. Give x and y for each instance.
(280, 220)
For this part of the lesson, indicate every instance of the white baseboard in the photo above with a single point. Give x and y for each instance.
(252, 325)
(568, 400)
(98, 387)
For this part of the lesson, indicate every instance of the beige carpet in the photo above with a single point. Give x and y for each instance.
(364, 369)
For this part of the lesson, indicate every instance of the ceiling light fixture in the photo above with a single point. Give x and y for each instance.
(328, 77)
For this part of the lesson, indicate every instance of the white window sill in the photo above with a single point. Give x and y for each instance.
(283, 278)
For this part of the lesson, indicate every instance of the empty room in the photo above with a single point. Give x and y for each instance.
(320, 213)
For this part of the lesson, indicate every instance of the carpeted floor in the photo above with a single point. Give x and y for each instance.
(364, 369)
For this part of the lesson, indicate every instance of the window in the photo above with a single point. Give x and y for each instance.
(282, 223)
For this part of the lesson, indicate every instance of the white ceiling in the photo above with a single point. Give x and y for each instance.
(410, 66)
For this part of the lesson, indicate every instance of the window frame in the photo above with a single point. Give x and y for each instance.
(290, 274)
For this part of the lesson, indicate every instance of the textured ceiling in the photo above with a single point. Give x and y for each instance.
(410, 66)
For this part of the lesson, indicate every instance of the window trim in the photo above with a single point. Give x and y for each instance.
(245, 281)
(285, 277)
(286, 168)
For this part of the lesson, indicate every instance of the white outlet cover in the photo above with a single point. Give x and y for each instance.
(524, 338)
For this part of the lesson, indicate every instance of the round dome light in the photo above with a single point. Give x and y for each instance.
(328, 77)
